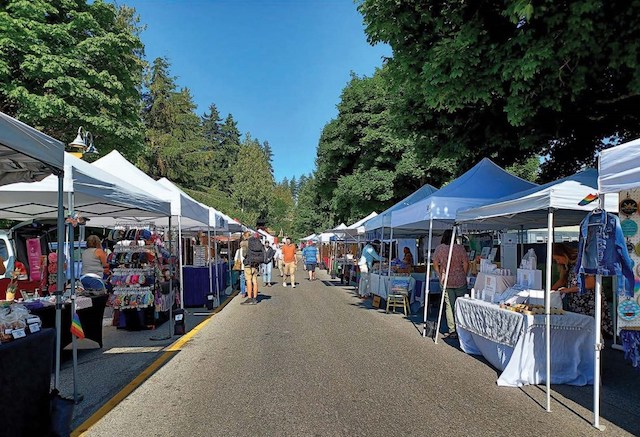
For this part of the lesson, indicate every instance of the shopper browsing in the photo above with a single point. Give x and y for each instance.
(290, 264)
(369, 255)
(457, 278)
(311, 259)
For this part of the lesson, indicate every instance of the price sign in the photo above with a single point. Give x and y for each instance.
(18, 333)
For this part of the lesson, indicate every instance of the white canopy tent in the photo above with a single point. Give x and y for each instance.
(309, 237)
(26, 154)
(549, 205)
(619, 170)
(183, 207)
(270, 238)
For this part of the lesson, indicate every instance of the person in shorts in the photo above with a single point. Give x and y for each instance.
(311, 257)
(290, 264)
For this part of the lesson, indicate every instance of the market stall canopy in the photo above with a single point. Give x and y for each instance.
(96, 194)
(309, 237)
(530, 208)
(270, 238)
(181, 205)
(482, 184)
(383, 220)
(338, 228)
(26, 154)
(619, 168)
(324, 237)
(216, 221)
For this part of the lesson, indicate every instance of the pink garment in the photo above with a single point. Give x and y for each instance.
(457, 275)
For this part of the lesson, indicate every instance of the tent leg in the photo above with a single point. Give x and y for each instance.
(77, 398)
(180, 263)
(547, 306)
(596, 360)
(60, 277)
(427, 287)
(217, 261)
(209, 260)
(446, 280)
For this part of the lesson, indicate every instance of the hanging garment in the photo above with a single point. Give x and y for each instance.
(602, 250)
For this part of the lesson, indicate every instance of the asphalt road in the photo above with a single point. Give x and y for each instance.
(318, 361)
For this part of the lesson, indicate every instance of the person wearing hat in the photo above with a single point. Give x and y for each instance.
(369, 255)
(311, 259)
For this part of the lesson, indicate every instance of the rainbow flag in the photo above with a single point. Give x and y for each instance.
(76, 326)
(587, 200)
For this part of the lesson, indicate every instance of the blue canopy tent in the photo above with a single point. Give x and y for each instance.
(374, 228)
(482, 184)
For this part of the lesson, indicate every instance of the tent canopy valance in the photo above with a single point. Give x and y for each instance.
(96, 194)
(618, 168)
(529, 209)
(216, 221)
(26, 154)
(182, 206)
(483, 183)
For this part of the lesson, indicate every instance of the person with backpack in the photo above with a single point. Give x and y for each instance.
(255, 256)
(267, 266)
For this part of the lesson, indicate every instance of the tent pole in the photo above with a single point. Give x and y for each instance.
(446, 280)
(180, 263)
(390, 251)
(172, 297)
(598, 346)
(216, 259)
(547, 306)
(72, 284)
(427, 284)
(60, 277)
(209, 259)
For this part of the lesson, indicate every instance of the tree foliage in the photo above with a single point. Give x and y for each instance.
(512, 79)
(362, 164)
(66, 64)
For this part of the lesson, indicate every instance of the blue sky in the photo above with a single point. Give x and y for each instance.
(277, 65)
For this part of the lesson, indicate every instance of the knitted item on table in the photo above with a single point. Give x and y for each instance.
(631, 345)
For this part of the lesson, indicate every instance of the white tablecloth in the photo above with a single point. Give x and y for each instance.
(515, 343)
(380, 285)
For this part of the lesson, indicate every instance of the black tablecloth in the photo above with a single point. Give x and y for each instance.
(90, 318)
(25, 378)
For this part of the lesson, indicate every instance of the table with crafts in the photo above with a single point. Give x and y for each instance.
(515, 343)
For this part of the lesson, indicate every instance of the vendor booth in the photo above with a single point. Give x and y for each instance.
(563, 357)
(619, 180)
(481, 184)
(27, 155)
(184, 209)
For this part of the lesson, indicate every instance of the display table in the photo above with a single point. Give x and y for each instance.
(515, 343)
(196, 283)
(25, 378)
(380, 285)
(90, 318)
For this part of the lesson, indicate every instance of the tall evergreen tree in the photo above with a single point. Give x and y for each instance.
(293, 187)
(268, 153)
(65, 64)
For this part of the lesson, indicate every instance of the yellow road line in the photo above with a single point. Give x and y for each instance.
(168, 352)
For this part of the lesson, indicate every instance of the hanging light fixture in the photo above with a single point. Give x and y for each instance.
(83, 144)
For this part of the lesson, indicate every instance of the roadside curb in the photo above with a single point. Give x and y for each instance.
(167, 353)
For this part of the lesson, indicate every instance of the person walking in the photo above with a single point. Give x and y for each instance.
(457, 280)
(255, 257)
(311, 259)
(365, 263)
(267, 266)
(278, 259)
(290, 263)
